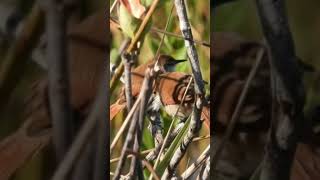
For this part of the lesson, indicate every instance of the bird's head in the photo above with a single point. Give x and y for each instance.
(168, 63)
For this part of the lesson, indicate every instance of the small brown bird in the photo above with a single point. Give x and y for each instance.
(168, 92)
(166, 64)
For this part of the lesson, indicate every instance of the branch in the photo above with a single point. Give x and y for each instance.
(59, 97)
(194, 166)
(289, 91)
(101, 168)
(138, 117)
(199, 88)
(146, 93)
(128, 141)
(97, 112)
(127, 61)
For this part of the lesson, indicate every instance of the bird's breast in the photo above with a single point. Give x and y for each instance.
(181, 113)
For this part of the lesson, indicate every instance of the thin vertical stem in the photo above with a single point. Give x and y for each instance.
(59, 96)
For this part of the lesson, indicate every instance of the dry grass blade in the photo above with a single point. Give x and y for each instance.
(125, 124)
(145, 163)
(142, 153)
(194, 166)
(150, 150)
(183, 178)
(199, 42)
(113, 5)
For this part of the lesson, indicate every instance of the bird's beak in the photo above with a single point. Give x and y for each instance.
(177, 61)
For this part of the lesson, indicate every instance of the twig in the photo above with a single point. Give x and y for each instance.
(122, 48)
(194, 166)
(125, 124)
(59, 97)
(199, 89)
(236, 112)
(97, 112)
(199, 42)
(155, 120)
(128, 141)
(103, 133)
(127, 61)
(112, 174)
(204, 172)
(183, 178)
(150, 74)
(290, 94)
(113, 5)
(130, 156)
(191, 50)
(83, 168)
(151, 170)
(101, 163)
(154, 29)
(256, 173)
(150, 150)
(146, 164)
(146, 91)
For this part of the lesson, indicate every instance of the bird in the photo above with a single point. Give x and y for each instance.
(168, 90)
(166, 63)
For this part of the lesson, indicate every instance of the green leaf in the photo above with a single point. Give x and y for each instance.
(128, 23)
(173, 147)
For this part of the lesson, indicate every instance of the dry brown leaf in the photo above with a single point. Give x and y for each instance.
(134, 7)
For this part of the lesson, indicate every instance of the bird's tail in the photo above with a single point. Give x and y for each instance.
(115, 109)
